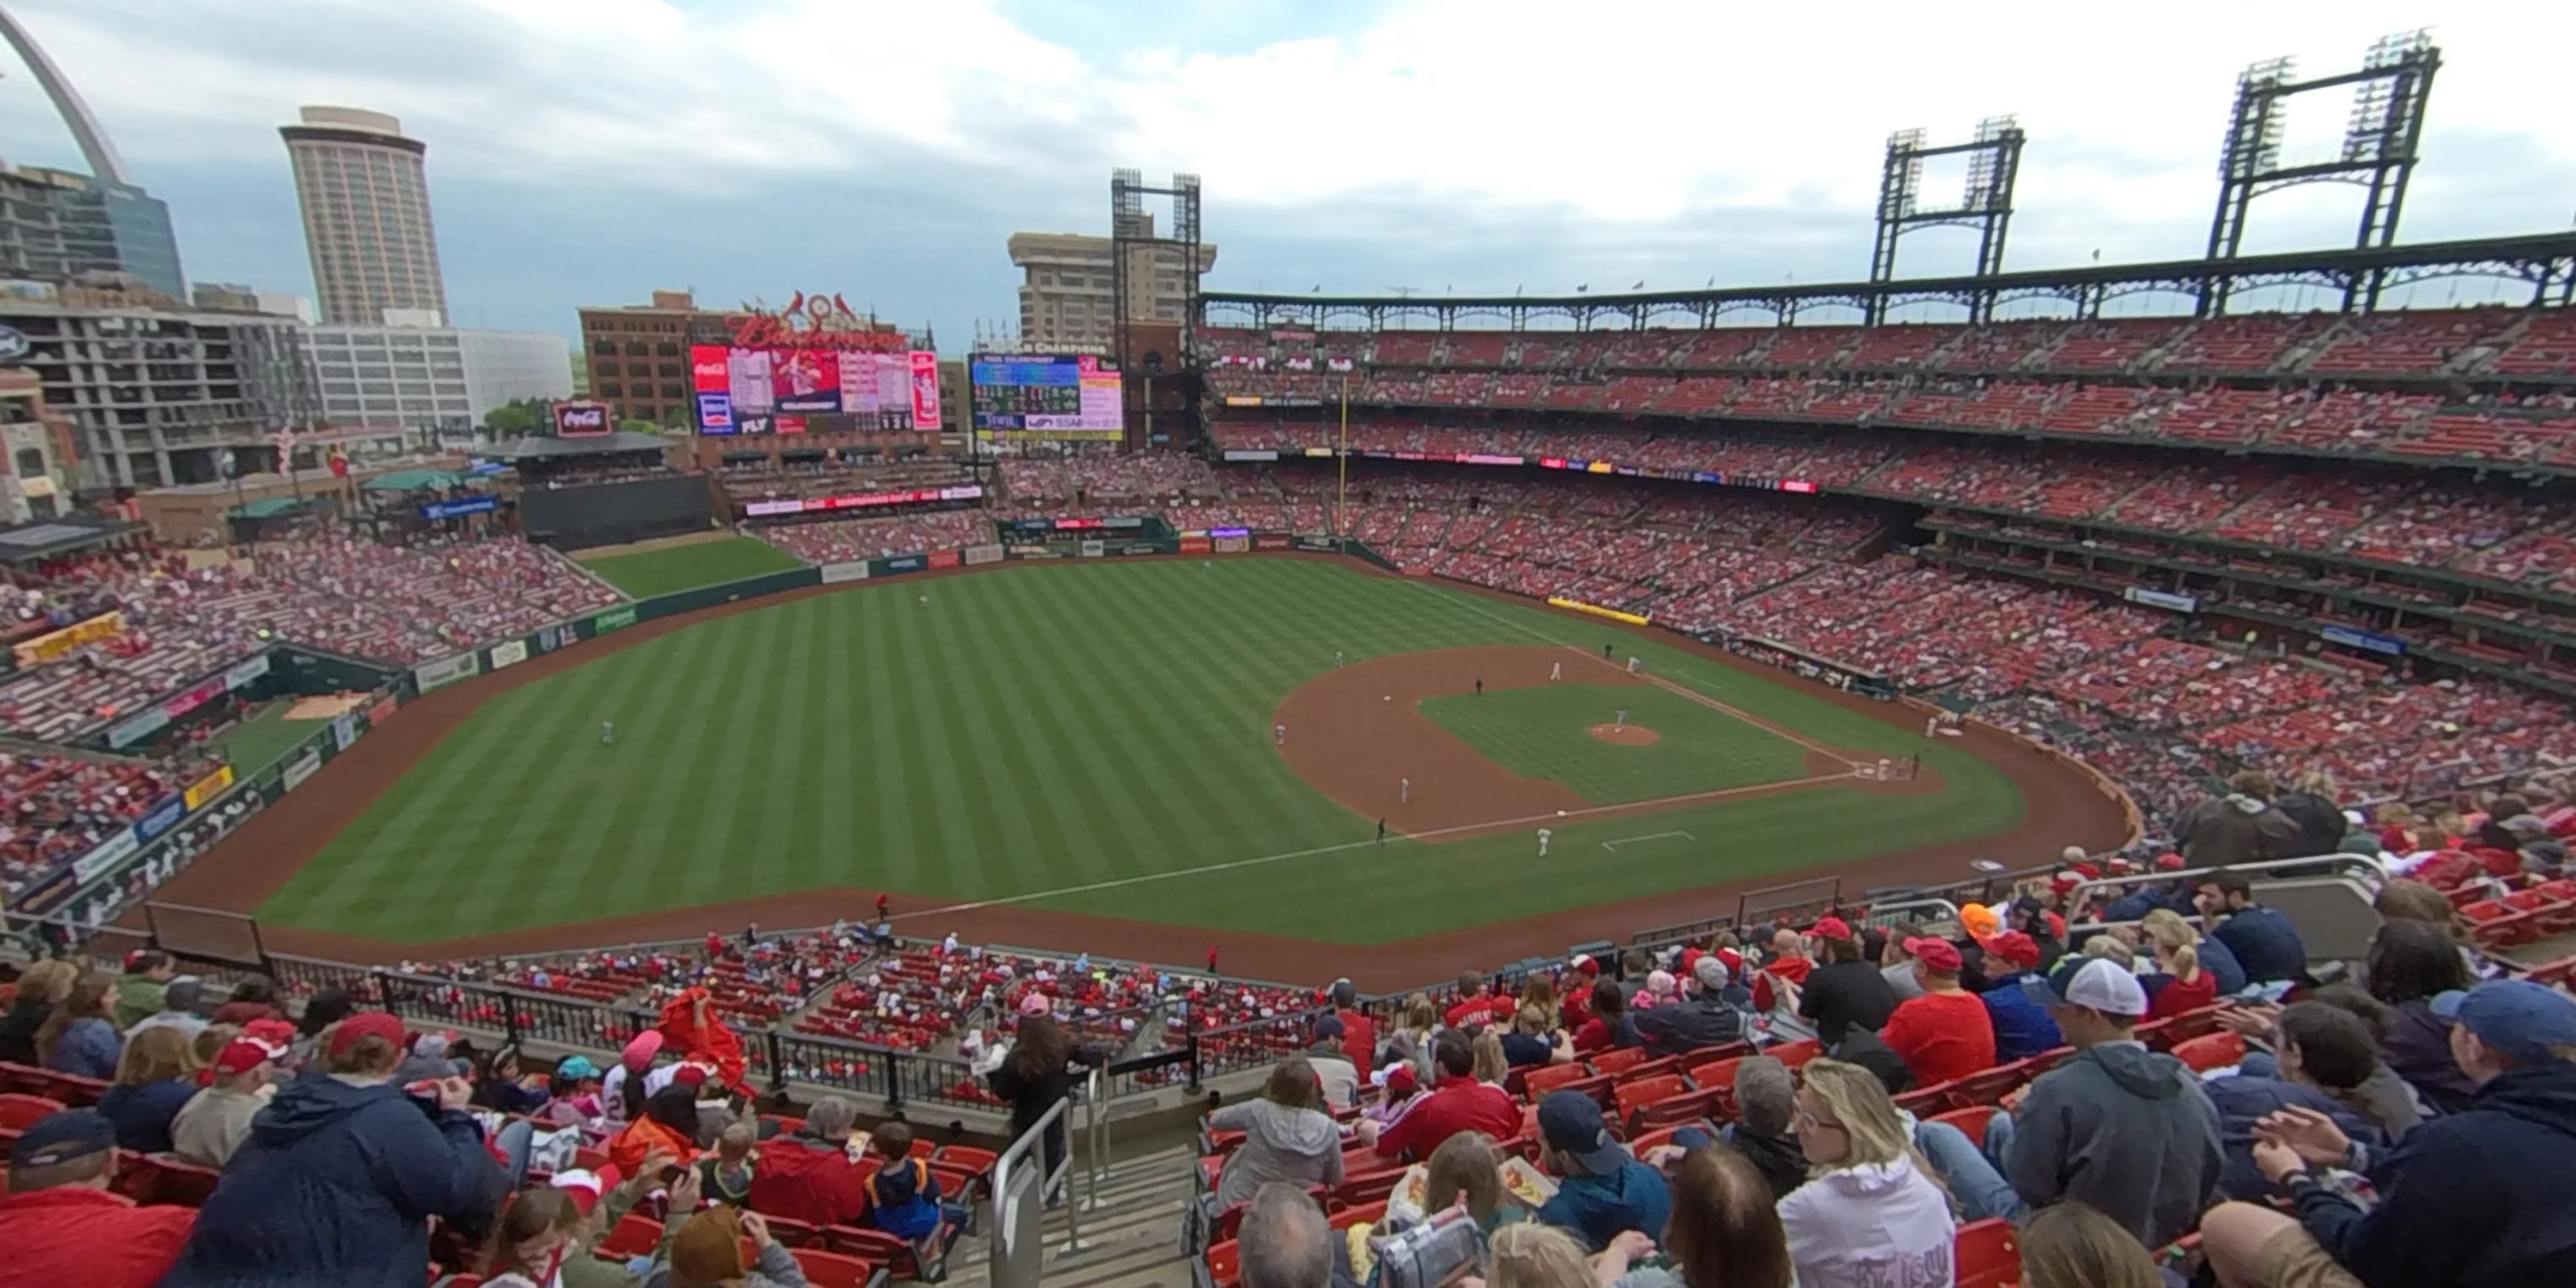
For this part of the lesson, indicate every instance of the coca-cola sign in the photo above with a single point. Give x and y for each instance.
(582, 420)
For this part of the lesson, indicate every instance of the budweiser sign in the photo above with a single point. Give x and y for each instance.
(816, 321)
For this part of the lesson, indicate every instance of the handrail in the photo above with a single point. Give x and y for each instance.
(2365, 870)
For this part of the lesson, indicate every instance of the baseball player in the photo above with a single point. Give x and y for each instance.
(1404, 791)
(1337, 659)
(1480, 688)
(1279, 734)
(925, 601)
(1932, 726)
(1543, 836)
(607, 732)
(1623, 718)
(1556, 670)
(1381, 831)
(1632, 664)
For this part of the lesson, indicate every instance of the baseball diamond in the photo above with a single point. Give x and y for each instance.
(1097, 739)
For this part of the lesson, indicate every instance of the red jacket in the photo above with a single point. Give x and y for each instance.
(1481, 1010)
(1454, 1105)
(1359, 1039)
(75, 1235)
(1791, 969)
(806, 1178)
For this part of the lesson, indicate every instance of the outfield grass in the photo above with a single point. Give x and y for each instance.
(1546, 732)
(1099, 731)
(257, 743)
(659, 572)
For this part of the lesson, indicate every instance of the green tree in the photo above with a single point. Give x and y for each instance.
(515, 418)
(639, 427)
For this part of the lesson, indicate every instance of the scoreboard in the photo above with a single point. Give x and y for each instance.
(1046, 395)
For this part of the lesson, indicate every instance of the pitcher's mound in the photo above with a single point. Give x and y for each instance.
(1627, 735)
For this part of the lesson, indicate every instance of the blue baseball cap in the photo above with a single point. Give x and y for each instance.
(1570, 1123)
(1329, 1026)
(576, 1066)
(62, 1137)
(2514, 1016)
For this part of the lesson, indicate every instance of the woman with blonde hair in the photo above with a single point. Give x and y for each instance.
(41, 988)
(1491, 1068)
(1870, 1212)
(79, 1038)
(1410, 1041)
(1539, 990)
(1530, 1255)
(2070, 1245)
(155, 1079)
(2178, 983)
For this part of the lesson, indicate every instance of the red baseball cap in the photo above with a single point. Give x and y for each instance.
(1833, 928)
(2086, 871)
(1937, 955)
(2015, 948)
(364, 1024)
(241, 1055)
(2169, 863)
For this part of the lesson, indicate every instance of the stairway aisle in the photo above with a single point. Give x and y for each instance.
(1131, 1239)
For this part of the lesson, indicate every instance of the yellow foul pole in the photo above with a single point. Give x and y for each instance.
(1342, 458)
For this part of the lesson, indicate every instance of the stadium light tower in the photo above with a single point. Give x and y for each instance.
(1131, 239)
(2381, 143)
(1994, 163)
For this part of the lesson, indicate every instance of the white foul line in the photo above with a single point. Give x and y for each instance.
(1613, 845)
(1660, 802)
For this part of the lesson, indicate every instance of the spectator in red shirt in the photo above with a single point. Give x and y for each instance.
(1475, 1006)
(1789, 964)
(61, 1224)
(808, 1176)
(1584, 972)
(1359, 1033)
(1945, 1034)
(2178, 984)
(1457, 1103)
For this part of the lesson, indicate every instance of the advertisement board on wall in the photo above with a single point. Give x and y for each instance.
(854, 570)
(583, 420)
(943, 559)
(1195, 545)
(301, 768)
(1094, 549)
(802, 383)
(983, 555)
(2161, 599)
(1046, 395)
(615, 619)
(461, 508)
(2370, 640)
(344, 730)
(55, 644)
(431, 675)
(509, 654)
(208, 787)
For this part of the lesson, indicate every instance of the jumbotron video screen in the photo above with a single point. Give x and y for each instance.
(1046, 395)
(796, 390)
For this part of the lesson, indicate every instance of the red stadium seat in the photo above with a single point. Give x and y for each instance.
(1989, 1086)
(1225, 1264)
(1971, 1121)
(1368, 1187)
(157, 1178)
(1364, 1214)
(1544, 1080)
(1987, 1254)
(1689, 1106)
(2210, 1051)
(795, 1233)
(1649, 1069)
(1796, 1054)
(18, 1111)
(1619, 1061)
(1634, 1096)
(635, 1236)
(830, 1269)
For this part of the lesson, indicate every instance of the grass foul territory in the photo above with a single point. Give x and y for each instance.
(1092, 738)
(659, 572)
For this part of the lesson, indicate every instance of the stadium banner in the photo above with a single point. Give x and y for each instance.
(836, 573)
(1272, 541)
(2370, 640)
(897, 564)
(459, 509)
(1094, 549)
(615, 619)
(1324, 452)
(1195, 545)
(976, 555)
(1326, 545)
(243, 672)
(510, 654)
(1033, 552)
(208, 787)
(1234, 454)
(2161, 599)
(383, 710)
(55, 644)
(122, 736)
(1633, 619)
(301, 768)
(943, 559)
(344, 730)
(113, 851)
(1144, 548)
(1232, 545)
(463, 666)
(163, 817)
(194, 696)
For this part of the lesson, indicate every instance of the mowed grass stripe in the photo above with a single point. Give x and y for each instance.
(1034, 729)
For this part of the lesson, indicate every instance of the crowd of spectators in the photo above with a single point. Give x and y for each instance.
(186, 614)
(1105, 476)
(843, 540)
(54, 809)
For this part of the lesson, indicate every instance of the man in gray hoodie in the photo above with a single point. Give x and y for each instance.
(2124, 1129)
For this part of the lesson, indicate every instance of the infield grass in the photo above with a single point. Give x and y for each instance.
(256, 743)
(1546, 732)
(1090, 738)
(659, 572)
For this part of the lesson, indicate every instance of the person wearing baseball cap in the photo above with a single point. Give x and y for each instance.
(1943, 1035)
(217, 1119)
(1606, 1190)
(2022, 1026)
(342, 1173)
(1359, 1032)
(60, 1222)
(2476, 1199)
(2117, 1126)
(1701, 1017)
(1846, 991)
(1333, 1068)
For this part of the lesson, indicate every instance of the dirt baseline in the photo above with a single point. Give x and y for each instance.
(2065, 808)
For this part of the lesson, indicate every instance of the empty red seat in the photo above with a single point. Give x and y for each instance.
(1542, 1081)
(1619, 1061)
(829, 1269)
(18, 1110)
(1986, 1255)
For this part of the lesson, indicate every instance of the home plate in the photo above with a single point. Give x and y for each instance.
(1613, 846)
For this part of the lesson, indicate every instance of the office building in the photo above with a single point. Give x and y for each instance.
(233, 297)
(57, 226)
(32, 441)
(157, 395)
(439, 379)
(638, 355)
(1068, 296)
(364, 190)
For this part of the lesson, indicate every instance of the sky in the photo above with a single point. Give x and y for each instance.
(590, 151)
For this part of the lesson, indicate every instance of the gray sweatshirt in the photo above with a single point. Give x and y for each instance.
(1299, 1146)
(2126, 1130)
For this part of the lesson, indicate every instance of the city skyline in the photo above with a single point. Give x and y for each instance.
(557, 191)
